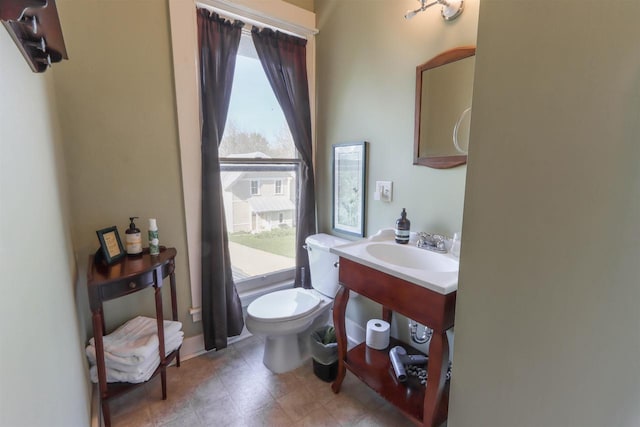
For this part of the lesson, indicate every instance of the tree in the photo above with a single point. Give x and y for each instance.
(236, 141)
(283, 145)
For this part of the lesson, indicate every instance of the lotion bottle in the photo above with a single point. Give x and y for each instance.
(133, 239)
(154, 242)
(403, 226)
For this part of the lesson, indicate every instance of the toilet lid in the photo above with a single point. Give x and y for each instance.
(288, 304)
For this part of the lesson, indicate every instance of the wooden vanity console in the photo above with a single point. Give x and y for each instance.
(127, 276)
(425, 406)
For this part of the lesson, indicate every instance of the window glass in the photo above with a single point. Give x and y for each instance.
(259, 169)
(256, 126)
(255, 187)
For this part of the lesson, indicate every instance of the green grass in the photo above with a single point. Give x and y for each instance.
(279, 241)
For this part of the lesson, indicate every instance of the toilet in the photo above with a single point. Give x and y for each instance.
(287, 318)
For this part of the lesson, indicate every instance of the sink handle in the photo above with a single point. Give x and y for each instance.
(431, 241)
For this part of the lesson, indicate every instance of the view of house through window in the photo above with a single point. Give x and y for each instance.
(259, 177)
(255, 187)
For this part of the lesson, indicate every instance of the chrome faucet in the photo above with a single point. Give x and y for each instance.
(432, 242)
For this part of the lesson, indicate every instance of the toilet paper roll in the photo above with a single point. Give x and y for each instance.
(378, 334)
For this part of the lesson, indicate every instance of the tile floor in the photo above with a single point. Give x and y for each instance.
(233, 388)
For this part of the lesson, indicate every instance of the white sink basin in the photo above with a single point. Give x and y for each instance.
(432, 270)
(411, 257)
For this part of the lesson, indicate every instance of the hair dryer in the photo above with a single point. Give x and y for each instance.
(399, 358)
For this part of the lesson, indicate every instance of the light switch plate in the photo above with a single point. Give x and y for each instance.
(384, 191)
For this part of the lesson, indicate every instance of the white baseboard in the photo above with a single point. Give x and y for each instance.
(194, 346)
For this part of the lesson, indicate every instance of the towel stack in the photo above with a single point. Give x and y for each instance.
(131, 352)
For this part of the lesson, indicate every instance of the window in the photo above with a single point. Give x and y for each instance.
(276, 14)
(255, 187)
(257, 158)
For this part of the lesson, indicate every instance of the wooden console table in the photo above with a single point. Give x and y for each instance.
(427, 406)
(129, 275)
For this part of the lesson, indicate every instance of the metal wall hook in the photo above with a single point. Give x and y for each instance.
(40, 45)
(34, 26)
(46, 60)
(31, 21)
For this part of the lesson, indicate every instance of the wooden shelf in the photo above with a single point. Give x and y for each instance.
(374, 368)
(116, 389)
(426, 406)
(126, 276)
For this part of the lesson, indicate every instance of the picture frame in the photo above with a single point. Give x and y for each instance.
(349, 187)
(110, 244)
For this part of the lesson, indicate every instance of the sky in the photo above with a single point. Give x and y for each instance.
(253, 105)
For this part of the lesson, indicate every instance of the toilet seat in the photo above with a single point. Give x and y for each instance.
(288, 304)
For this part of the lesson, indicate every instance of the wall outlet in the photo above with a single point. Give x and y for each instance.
(384, 191)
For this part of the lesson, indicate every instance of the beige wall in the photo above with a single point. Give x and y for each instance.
(41, 344)
(117, 112)
(117, 109)
(367, 58)
(304, 4)
(547, 316)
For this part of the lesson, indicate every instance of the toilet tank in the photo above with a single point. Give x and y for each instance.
(322, 263)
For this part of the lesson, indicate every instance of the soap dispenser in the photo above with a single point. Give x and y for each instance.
(133, 239)
(403, 225)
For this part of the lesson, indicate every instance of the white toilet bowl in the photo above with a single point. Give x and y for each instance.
(287, 318)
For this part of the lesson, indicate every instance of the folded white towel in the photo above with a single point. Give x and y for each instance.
(130, 364)
(135, 373)
(140, 376)
(137, 338)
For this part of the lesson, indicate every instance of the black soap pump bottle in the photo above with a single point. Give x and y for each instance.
(133, 239)
(403, 225)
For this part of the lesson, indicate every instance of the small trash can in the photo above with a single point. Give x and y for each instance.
(324, 351)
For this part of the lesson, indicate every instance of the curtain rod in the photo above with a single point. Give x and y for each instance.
(255, 18)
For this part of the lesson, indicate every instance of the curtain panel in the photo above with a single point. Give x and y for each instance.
(284, 59)
(218, 41)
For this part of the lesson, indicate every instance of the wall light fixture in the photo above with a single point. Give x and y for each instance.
(451, 9)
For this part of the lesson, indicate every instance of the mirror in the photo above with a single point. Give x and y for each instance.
(444, 87)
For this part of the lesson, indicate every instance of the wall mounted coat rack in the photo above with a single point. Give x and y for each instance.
(35, 27)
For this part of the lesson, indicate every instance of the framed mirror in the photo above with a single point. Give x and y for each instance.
(444, 88)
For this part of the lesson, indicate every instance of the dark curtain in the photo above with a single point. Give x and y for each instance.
(218, 42)
(284, 59)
